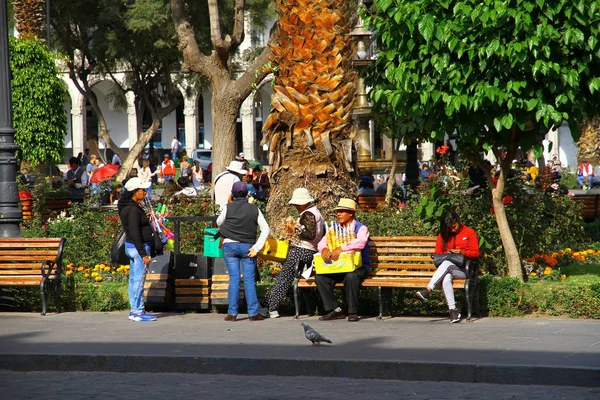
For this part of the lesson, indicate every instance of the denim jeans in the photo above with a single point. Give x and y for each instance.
(167, 178)
(236, 256)
(136, 277)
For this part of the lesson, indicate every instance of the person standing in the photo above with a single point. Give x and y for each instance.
(238, 221)
(76, 180)
(185, 167)
(175, 148)
(146, 174)
(167, 169)
(454, 238)
(345, 211)
(197, 176)
(224, 182)
(138, 241)
(301, 250)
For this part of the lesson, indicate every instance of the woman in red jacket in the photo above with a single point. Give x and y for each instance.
(455, 238)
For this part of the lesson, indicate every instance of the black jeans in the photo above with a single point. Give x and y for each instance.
(352, 280)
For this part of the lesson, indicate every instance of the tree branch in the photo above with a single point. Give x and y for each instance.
(215, 26)
(193, 59)
(238, 23)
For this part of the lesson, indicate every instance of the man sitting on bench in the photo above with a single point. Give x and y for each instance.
(345, 209)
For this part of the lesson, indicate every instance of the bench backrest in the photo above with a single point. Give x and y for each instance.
(402, 256)
(22, 257)
(367, 202)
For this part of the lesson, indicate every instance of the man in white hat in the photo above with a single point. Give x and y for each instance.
(225, 180)
(301, 250)
(345, 210)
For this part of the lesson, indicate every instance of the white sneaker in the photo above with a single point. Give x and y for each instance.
(273, 314)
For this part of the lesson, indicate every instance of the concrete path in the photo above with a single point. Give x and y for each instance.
(490, 350)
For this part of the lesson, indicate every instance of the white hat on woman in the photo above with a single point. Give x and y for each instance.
(300, 197)
(135, 183)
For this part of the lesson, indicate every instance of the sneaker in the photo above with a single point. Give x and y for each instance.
(273, 314)
(131, 315)
(454, 316)
(143, 317)
(423, 294)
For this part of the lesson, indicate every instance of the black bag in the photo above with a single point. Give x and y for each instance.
(457, 259)
(157, 248)
(117, 251)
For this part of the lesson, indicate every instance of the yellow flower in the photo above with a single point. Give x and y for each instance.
(94, 274)
(86, 275)
(107, 269)
(98, 279)
(113, 272)
(80, 268)
(563, 277)
(69, 272)
(533, 274)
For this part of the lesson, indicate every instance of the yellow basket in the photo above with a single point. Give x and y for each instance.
(347, 262)
(274, 250)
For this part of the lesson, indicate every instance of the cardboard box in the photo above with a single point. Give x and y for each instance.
(274, 250)
(347, 262)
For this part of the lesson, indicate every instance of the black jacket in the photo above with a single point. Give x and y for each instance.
(136, 225)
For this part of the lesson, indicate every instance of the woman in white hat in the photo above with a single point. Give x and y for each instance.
(301, 251)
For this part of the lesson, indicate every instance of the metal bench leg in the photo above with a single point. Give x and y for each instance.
(469, 298)
(296, 301)
(43, 295)
(380, 298)
(57, 292)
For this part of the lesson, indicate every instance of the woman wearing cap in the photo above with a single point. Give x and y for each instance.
(238, 221)
(345, 211)
(301, 252)
(138, 239)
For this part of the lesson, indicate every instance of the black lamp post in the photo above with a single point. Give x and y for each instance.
(10, 213)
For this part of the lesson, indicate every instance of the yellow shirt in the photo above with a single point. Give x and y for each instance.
(533, 171)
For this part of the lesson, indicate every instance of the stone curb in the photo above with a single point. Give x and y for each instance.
(406, 371)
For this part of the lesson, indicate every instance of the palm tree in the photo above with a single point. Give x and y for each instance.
(30, 17)
(589, 142)
(309, 130)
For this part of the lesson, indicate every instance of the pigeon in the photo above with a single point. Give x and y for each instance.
(312, 335)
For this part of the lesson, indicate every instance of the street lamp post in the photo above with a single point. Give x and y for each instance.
(10, 213)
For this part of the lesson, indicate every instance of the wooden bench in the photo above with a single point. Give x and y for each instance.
(403, 262)
(370, 202)
(32, 262)
(590, 205)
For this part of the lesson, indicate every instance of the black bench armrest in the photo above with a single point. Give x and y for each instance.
(471, 268)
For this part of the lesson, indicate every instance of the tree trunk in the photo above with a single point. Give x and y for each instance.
(511, 252)
(224, 113)
(392, 179)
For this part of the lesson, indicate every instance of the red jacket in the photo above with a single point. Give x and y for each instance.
(168, 168)
(465, 239)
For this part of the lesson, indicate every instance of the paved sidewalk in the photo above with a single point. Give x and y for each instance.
(490, 350)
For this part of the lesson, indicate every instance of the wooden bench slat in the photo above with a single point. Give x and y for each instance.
(30, 252)
(20, 280)
(23, 272)
(380, 272)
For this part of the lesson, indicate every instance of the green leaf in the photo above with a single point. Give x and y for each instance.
(507, 121)
(594, 85)
(497, 124)
(383, 5)
(426, 27)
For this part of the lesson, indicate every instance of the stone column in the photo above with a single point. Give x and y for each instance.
(248, 116)
(132, 122)
(427, 149)
(78, 128)
(191, 123)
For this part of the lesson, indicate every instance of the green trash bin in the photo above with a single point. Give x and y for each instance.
(211, 243)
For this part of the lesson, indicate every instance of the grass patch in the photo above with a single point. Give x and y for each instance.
(581, 273)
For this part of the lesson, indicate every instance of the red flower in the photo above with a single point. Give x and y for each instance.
(492, 210)
(442, 149)
(507, 200)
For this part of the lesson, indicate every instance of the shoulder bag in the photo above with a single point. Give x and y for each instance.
(456, 259)
(117, 251)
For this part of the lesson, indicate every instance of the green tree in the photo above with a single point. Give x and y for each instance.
(500, 72)
(38, 97)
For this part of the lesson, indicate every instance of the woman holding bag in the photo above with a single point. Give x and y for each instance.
(454, 238)
(138, 241)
